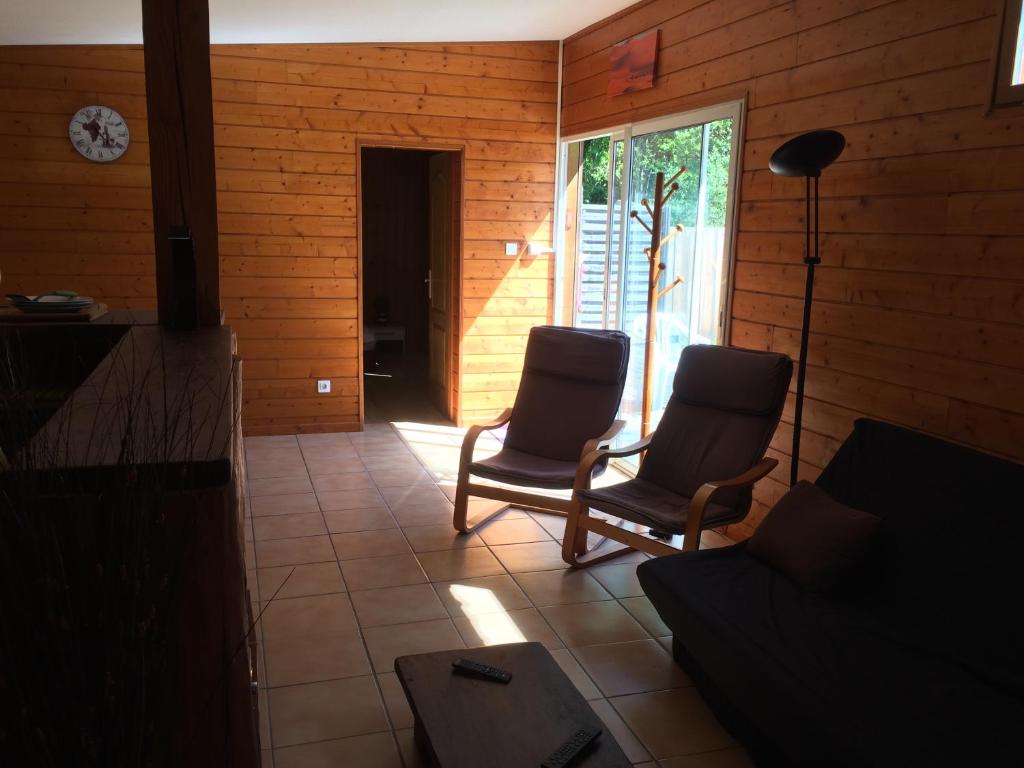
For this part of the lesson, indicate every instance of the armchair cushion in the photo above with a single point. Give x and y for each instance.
(642, 502)
(813, 539)
(569, 392)
(519, 468)
(724, 408)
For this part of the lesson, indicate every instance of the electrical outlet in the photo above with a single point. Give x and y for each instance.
(323, 386)
(511, 249)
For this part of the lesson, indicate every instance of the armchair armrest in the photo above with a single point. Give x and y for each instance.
(582, 481)
(595, 443)
(695, 516)
(469, 441)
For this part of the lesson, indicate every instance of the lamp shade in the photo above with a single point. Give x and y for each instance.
(807, 154)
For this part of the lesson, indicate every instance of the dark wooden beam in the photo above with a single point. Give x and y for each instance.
(179, 102)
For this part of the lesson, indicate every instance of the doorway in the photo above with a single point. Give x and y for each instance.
(410, 236)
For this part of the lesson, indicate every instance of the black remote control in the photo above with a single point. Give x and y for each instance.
(481, 670)
(568, 752)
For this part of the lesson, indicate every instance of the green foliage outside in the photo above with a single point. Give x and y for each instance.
(665, 152)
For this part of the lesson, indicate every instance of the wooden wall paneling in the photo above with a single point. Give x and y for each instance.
(917, 316)
(287, 123)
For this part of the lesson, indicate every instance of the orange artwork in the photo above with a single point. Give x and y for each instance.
(632, 64)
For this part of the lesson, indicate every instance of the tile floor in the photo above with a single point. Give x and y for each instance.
(354, 562)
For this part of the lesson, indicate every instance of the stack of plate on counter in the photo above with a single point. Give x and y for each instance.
(64, 301)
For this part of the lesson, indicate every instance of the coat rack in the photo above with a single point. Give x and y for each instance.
(661, 196)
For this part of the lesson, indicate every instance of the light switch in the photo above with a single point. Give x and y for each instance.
(511, 249)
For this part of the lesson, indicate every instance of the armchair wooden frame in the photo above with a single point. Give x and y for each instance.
(521, 499)
(579, 523)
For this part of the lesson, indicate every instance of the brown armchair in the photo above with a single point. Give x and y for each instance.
(700, 464)
(565, 409)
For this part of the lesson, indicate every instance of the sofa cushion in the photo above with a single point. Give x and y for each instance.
(825, 681)
(812, 538)
(950, 553)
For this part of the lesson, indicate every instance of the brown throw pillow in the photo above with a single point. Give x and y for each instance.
(813, 539)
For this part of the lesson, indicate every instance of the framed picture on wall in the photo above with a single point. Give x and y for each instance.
(632, 64)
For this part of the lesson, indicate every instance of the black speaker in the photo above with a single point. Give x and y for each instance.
(185, 313)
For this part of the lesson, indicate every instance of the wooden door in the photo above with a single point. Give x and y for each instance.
(439, 280)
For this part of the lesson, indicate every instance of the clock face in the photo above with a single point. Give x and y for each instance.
(99, 133)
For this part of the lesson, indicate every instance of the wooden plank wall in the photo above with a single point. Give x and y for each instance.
(919, 311)
(287, 122)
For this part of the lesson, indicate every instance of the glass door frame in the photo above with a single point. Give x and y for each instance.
(736, 110)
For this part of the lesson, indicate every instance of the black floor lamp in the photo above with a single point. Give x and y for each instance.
(806, 155)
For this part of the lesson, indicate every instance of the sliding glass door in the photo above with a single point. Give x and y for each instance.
(609, 176)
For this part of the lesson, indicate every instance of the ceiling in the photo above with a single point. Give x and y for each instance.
(25, 22)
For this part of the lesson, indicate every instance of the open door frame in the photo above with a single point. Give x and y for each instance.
(458, 155)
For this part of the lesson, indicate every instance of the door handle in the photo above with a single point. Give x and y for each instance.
(430, 285)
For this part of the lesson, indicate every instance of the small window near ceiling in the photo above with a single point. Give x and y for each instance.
(1009, 85)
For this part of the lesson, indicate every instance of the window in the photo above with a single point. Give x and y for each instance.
(604, 267)
(1009, 85)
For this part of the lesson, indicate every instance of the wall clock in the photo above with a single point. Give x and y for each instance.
(99, 133)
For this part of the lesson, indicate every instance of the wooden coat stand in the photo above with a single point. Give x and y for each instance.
(661, 196)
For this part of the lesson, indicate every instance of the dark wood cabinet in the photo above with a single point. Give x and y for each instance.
(130, 497)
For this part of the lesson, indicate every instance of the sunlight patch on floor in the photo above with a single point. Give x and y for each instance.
(487, 615)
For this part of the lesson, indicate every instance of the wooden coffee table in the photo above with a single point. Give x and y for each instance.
(469, 722)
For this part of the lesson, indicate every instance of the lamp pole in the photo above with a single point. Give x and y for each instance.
(806, 155)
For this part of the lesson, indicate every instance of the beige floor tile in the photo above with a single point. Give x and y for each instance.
(433, 538)
(593, 623)
(453, 564)
(348, 520)
(561, 587)
(411, 756)
(385, 478)
(376, 572)
(577, 674)
(397, 605)
(311, 638)
(324, 439)
(346, 482)
(270, 441)
(400, 496)
(386, 643)
(641, 609)
(327, 710)
(310, 549)
(393, 460)
(356, 544)
(288, 526)
(375, 750)
(276, 486)
(284, 504)
(395, 700)
(334, 465)
(618, 578)
(487, 594)
(425, 514)
(634, 667)
(635, 751)
(720, 758)
(356, 498)
(299, 580)
(538, 556)
(516, 531)
(671, 723)
(263, 466)
(519, 626)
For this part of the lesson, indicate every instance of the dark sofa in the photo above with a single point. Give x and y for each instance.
(917, 659)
